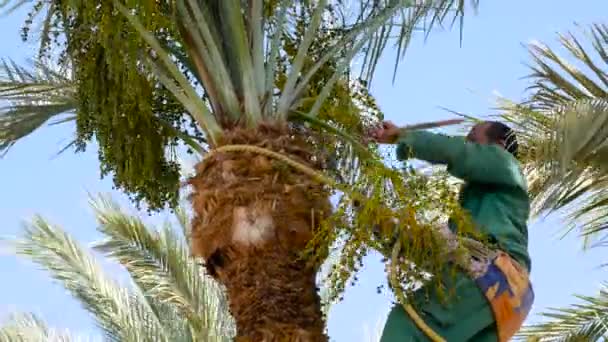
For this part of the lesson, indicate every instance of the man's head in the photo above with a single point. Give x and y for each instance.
(494, 132)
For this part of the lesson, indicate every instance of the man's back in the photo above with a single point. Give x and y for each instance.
(501, 213)
(495, 191)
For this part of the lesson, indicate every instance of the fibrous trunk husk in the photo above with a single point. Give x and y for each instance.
(253, 217)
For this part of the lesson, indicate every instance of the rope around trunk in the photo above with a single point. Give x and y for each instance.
(475, 247)
(275, 155)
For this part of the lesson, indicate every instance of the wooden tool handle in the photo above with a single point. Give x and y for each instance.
(435, 124)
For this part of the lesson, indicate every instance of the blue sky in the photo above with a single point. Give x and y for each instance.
(436, 73)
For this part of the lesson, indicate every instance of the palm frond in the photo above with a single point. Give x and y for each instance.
(373, 333)
(34, 97)
(565, 155)
(170, 75)
(235, 32)
(414, 16)
(183, 219)
(586, 321)
(558, 80)
(375, 20)
(161, 266)
(172, 300)
(563, 127)
(120, 315)
(27, 327)
(205, 48)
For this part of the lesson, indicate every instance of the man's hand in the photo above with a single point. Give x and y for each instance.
(388, 133)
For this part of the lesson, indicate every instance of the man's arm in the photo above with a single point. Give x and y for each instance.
(468, 161)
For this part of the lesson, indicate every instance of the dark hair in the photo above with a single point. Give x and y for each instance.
(498, 131)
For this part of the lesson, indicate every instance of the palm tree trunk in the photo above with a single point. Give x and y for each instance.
(253, 217)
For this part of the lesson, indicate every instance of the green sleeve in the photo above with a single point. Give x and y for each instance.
(468, 161)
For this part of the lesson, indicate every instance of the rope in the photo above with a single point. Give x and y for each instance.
(409, 309)
(431, 334)
(305, 169)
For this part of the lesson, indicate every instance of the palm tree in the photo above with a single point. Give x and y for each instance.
(248, 76)
(564, 129)
(168, 298)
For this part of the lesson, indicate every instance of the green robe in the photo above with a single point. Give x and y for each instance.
(495, 195)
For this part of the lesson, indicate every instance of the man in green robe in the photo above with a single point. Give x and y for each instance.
(495, 195)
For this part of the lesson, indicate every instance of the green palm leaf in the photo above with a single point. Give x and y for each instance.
(563, 128)
(171, 300)
(26, 327)
(586, 321)
(161, 266)
(415, 16)
(34, 97)
(565, 155)
(227, 65)
(558, 80)
(119, 314)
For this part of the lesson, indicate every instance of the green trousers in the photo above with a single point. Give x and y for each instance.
(464, 316)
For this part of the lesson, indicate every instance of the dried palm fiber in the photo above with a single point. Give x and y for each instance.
(253, 216)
